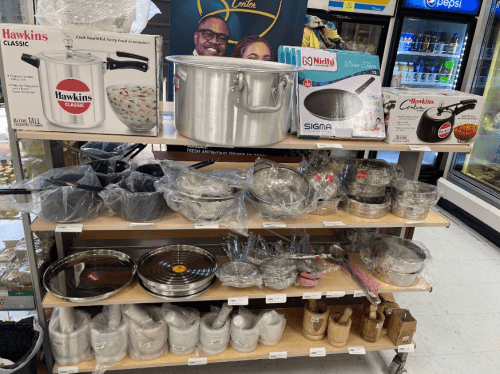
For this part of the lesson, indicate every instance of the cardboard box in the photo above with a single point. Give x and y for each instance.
(339, 95)
(73, 80)
(399, 331)
(427, 116)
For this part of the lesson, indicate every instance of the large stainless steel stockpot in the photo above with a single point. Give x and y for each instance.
(233, 102)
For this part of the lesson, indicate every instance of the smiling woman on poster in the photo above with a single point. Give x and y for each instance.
(211, 37)
(254, 48)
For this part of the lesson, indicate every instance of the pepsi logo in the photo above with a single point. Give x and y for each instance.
(430, 3)
(444, 130)
(73, 96)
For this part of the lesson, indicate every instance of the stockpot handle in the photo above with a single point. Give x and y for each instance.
(280, 95)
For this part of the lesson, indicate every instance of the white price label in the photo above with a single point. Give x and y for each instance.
(142, 224)
(329, 145)
(276, 299)
(275, 355)
(311, 295)
(332, 294)
(356, 350)
(67, 369)
(406, 348)
(314, 319)
(197, 361)
(216, 341)
(75, 227)
(240, 300)
(333, 223)
(420, 148)
(274, 224)
(317, 352)
(207, 225)
(4, 293)
(379, 325)
(359, 294)
(414, 222)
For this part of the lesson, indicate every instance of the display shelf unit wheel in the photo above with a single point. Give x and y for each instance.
(398, 363)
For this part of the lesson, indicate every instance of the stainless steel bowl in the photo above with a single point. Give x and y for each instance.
(239, 274)
(414, 192)
(364, 190)
(277, 211)
(196, 185)
(368, 171)
(399, 255)
(409, 211)
(398, 279)
(357, 207)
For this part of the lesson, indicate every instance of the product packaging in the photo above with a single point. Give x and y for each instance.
(339, 94)
(215, 330)
(244, 331)
(427, 116)
(80, 80)
(402, 326)
(183, 328)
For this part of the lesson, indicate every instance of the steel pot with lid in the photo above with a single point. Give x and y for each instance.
(72, 83)
(436, 124)
(233, 102)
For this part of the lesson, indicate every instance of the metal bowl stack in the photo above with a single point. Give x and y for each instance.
(413, 200)
(239, 275)
(368, 207)
(278, 273)
(177, 272)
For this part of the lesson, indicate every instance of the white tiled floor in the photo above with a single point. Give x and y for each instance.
(458, 327)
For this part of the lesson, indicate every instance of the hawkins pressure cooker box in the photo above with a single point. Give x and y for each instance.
(339, 95)
(421, 116)
(81, 81)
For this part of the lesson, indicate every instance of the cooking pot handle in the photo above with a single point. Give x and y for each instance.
(131, 55)
(33, 61)
(461, 109)
(280, 94)
(137, 65)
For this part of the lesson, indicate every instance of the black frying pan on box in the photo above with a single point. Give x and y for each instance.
(334, 104)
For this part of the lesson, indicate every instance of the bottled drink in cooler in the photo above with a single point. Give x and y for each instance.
(425, 42)
(433, 69)
(409, 41)
(446, 72)
(408, 77)
(433, 43)
(453, 47)
(441, 44)
(417, 45)
(402, 42)
(422, 72)
(396, 76)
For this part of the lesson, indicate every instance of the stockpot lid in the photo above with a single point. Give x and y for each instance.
(436, 115)
(234, 64)
(71, 57)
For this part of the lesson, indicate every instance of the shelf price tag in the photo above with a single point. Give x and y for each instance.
(239, 300)
(359, 294)
(413, 222)
(208, 225)
(276, 355)
(406, 348)
(356, 350)
(420, 148)
(276, 299)
(197, 361)
(67, 369)
(274, 224)
(329, 145)
(333, 223)
(142, 224)
(334, 294)
(74, 227)
(348, 6)
(317, 352)
(311, 295)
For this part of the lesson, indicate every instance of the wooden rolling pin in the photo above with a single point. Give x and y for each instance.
(344, 318)
(373, 312)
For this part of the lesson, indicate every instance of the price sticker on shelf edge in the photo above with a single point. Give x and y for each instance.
(311, 295)
(74, 227)
(197, 361)
(348, 6)
(333, 223)
(134, 224)
(276, 355)
(239, 300)
(334, 294)
(276, 299)
(67, 369)
(358, 294)
(406, 348)
(329, 145)
(274, 224)
(356, 350)
(420, 148)
(317, 352)
(206, 225)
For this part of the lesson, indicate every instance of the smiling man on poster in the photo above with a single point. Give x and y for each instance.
(211, 37)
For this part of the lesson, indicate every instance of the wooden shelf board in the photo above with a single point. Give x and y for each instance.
(176, 221)
(334, 281)
(292, 341)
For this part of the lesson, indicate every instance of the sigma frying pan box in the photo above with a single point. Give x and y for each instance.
(424, 116)
(339, 94)
(72, 80)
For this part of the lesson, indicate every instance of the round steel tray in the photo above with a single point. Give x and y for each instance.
(90, 276)
(177, 268)
(177, 298)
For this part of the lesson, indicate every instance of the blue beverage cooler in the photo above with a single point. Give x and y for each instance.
(430, 42)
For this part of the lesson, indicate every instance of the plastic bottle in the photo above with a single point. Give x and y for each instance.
(402, 42)
(408, 77)
(396, 76)
(422, 75)
(453, 47)
(433, 68)
(446, 72)
(434, 42)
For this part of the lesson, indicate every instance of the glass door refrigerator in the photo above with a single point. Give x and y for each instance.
(431, 41)
(356, 24)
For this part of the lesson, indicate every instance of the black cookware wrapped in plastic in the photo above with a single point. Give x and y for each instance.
(111, 171)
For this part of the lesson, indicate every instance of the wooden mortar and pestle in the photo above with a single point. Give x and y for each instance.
(339, 326)
(315, 320)
(371, 324)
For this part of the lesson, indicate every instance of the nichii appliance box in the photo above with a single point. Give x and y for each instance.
(425, 116)
(339, 94)
(81, 81)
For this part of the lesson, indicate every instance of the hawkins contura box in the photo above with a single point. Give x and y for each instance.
(80, 81)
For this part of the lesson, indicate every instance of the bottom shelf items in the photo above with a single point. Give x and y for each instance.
(292, 344)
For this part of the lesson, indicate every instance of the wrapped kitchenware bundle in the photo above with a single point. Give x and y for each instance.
(42, 249)
(148, 331)
(135, 198)
(109, 337)
(64, 195)
(280, 192)
(239, 275)
(368, 207)
(412, 199)
(69, 333)
(215, 330)
(111, 171)
(397, 261)
(183, 328)
(278, 273)
(358, 239)
(103, 150)
(215, 196)
(272, 325)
